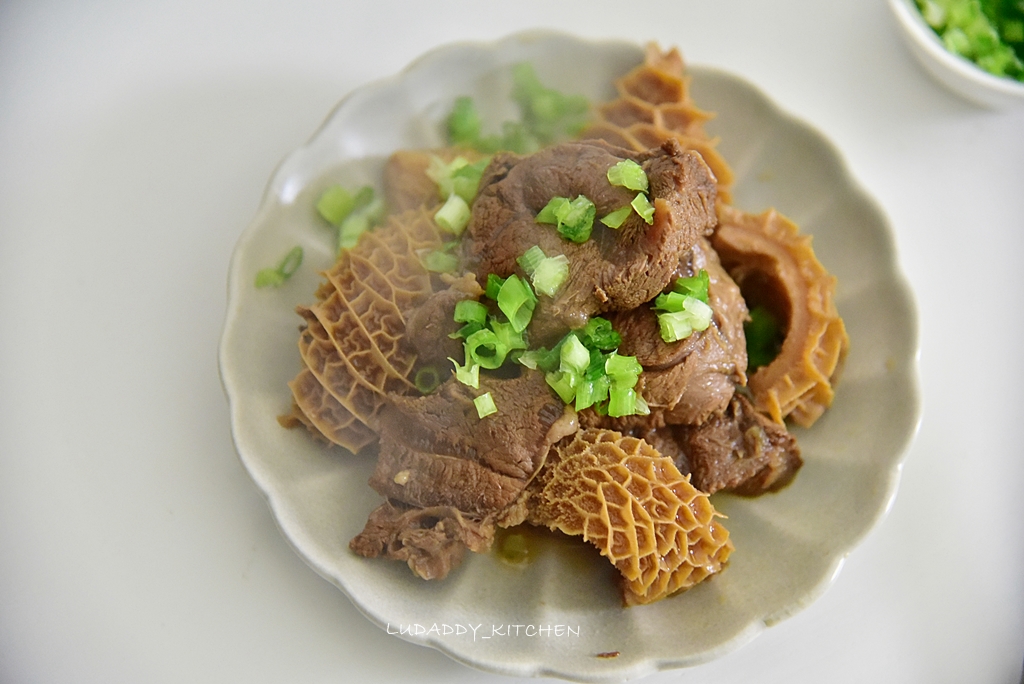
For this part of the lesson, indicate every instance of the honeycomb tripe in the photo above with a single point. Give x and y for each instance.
(633, 504)
(351, 344)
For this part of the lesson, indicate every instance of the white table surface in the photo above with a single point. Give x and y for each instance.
(135, 142)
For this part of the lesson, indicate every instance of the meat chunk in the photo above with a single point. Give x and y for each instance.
(684, 382)
(435, 451)
(740, 450)
(615, 269)
(431, 540)
(429, 326)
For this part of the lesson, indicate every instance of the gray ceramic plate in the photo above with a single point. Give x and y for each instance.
(789, 546)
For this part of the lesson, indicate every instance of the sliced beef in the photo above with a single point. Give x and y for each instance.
(615, 269)
(430, 324)
(739, 450)
(435, 451)
(684, 382)
(431, 540)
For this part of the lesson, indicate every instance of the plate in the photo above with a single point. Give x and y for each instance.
(561, 614)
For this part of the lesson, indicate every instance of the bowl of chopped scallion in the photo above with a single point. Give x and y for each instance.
(973, 47)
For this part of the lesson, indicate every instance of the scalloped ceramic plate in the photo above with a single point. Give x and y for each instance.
(789, 545)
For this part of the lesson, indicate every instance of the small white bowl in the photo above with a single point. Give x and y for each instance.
(963, 77)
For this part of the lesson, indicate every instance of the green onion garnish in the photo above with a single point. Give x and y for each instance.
(335, 204)
(685, 309)
(628, 174)
(485, 405)
(643, 207)
(517, 301)
(599, 334)
(574, 219)
(494, 283)
(550, 274)
(573, 357)
(618, 217)
(508, 337)
(368, 211)
(678, 325)
(438, 261)
(457, 177)
(470, 311)
(591, 392)
(623, 370)
(764, 337)
(546, 273)
(275, 277)
(694, 286)
(531, 258)
(485, 349)
(546, 360)
(467, 374)
(453, 216)
(564, 384)
(427, 379)
(464, 123)
(621, 401)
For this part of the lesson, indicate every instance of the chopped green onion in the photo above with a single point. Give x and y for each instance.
(531, 258)
(464, 122)
(454, 215)
(494, 283)
(599, 334)
(764, 337)
(269, 277)
(442, 173)
(466, 180)
(574, 219)
(457, 177)
(550, 274)
(470, 311)
(517, 301)
(275, 277)
(694, 286)
(437, 261)
(508, 337)
(592, 392)
(628, 174)
(549, 214)
(335, 204)
(564, 384)
(467, 374)
(368, 211)
(465, 331)
(574, 357)
(547, 114)
(485, 349)
(427, 379)
(678, 325)
(618, 217)
(578, 220)
(546, 360)
(623, 370)
(485, 405)
(643, 207)
(621, 401)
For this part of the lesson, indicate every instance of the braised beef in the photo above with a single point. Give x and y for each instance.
(436, 454)
(431, 540)
(684, 382)
(739, 450)
(613, 270)
(429, 326)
